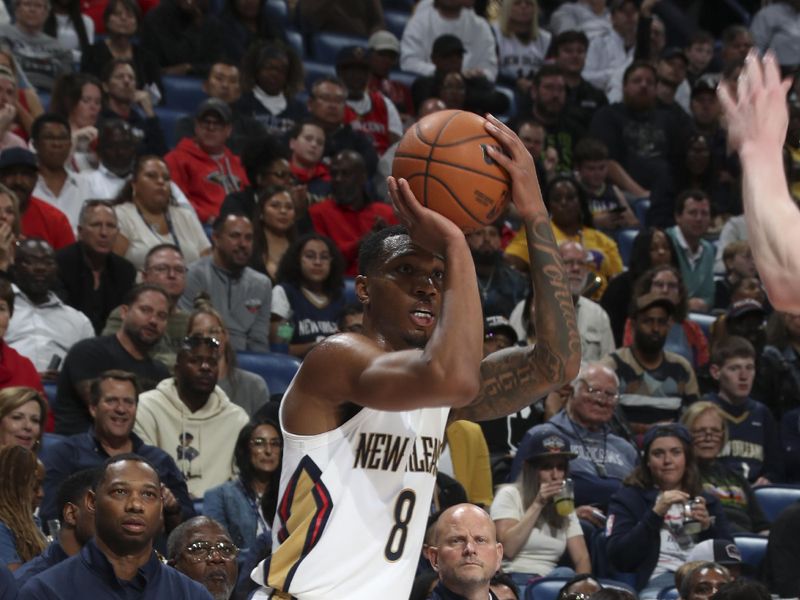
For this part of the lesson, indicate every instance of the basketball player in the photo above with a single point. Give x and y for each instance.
(364, 418)
(757, 118)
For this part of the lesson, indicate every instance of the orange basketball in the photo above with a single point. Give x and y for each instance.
(443, 156)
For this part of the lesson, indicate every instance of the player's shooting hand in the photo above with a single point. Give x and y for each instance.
(516, 159)
(427, 228)
(756, 111)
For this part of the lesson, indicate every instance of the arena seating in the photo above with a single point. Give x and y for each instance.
(276, 369)
(753, 549)
(774, 498)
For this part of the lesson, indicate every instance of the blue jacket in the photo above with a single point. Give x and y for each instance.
(90, 575)
(8, 586)
(83, 451)
(634, 530)
(51, 556)
(238, 513)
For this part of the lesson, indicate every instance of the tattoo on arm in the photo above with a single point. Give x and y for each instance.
(517, 377)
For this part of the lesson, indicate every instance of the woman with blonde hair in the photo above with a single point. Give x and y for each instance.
(521, 44)
(20, 538)
(23, 411)
(709, 431)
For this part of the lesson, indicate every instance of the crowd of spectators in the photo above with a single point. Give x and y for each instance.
(143, 253)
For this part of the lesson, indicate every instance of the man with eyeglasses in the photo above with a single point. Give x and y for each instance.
(654, 384)
(93, 279)
(753, 450)
(326, 105)
(144, 317)
(588, 421)
(192, 419)
(163, 266)
(203, 167)
(120, 561)
(200, 548)
(113, 398)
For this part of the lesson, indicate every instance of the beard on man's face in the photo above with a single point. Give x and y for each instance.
(649, 344)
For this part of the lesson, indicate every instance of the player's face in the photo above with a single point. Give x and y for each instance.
(467, 552)
(405, 293)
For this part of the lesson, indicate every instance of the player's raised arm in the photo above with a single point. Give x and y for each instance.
(757, 118)
(516, 377)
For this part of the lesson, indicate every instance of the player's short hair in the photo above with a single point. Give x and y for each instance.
(372, 247)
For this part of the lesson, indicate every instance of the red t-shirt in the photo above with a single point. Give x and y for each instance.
(346, 226)
(45, 221)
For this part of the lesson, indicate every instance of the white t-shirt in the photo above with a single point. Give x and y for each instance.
(545, 545)
(674, 549)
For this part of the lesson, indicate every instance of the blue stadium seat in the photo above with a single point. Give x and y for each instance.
(670, 593)
(278, 11)
(44, 98)
(403, 77)
(625, 244)
(315, 70)
(753, 549)
(295, 39)
(774, 498)
(198, 506)
(276, 369)
(50, 390)
(704, 321)
(512, 103)
(169, 119)
(325, 46)
(183, 93)
(396, 21)
(640, 207)
(350, 291)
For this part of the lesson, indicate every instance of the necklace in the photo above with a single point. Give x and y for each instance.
(484, 287)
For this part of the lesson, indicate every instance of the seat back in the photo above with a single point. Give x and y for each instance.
(325, 46)
(396, 21)
(183, 93)
(774, 498)
(670, 593)
(753, 549)
(625, 244)
(276, 369)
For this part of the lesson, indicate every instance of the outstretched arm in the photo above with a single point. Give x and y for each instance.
(757, 119)
(517, 377)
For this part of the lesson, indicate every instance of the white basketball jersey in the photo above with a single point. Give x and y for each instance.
(353, 507)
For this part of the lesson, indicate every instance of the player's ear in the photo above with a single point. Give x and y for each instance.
(361, 289)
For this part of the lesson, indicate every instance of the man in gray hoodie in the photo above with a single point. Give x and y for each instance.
(241, 294)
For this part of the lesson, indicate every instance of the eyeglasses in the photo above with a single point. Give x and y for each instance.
(164, 269)
(707, 432)
(200, 551)
(194, 341)
(601, 394)
(260, 442)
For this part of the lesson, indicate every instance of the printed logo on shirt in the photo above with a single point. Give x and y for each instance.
(253, 305)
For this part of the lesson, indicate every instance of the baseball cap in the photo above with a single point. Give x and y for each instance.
(216, 106)
(673, 52)
(704, 85)
(745, 306)
(352, 55)
(499, 324)
(447, 44)
(17, 157)
(666, 430)
(384, 40)
(546, 441)
(721, 551)
(651, 299)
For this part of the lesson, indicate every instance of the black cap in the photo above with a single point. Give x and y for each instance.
(216, 106)
(499, 324)
(17, 157)
(704, 85)
(666, 430)
(674, 52)
(447, 44)
(353, 56)
(545, 441)
(745, 306)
